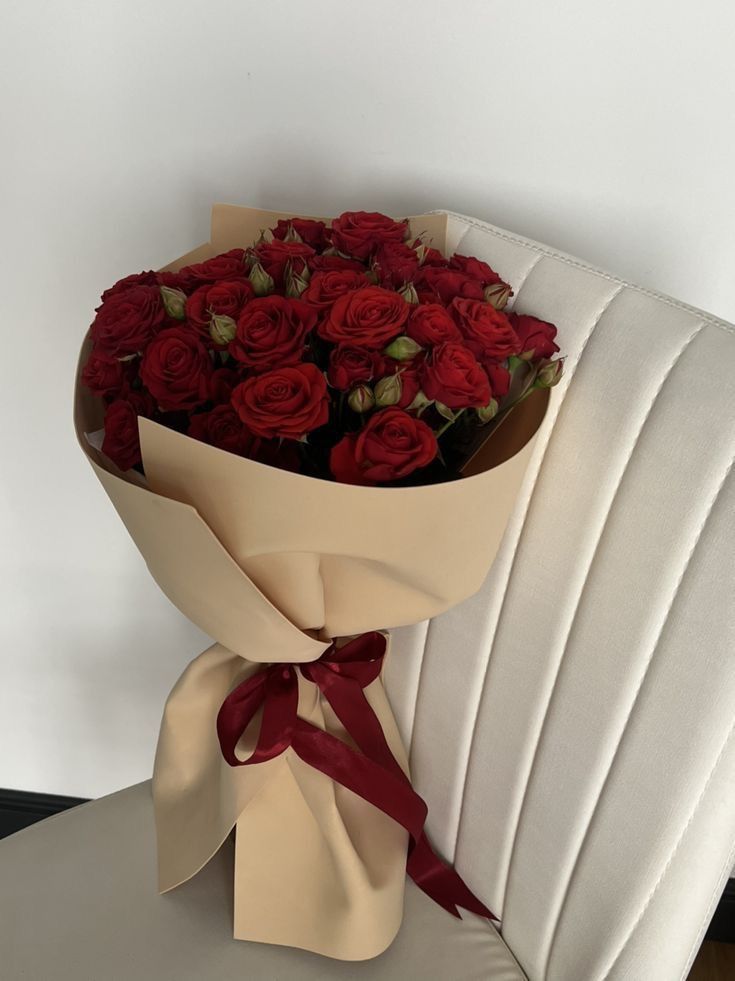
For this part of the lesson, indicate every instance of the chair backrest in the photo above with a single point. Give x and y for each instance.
(570, 726)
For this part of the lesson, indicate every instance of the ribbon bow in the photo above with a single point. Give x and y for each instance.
(371, 771)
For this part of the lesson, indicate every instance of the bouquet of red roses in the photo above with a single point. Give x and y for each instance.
(351, 349)
(210, 395)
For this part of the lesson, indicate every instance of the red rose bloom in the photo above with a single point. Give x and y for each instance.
(536, 336)
(350, 365)
(395, 263)
(148, 278)
(223, 428)
(369, 317)
(434, 283)
(121, 443)
(358, 233)
(286, 402)
(272, 331)
(176, 369)
(499, 379)
(226, 265)
(392, 445)
(224, 299)
(326, 287)
(452, 375)
(324, 263)
(313, 233)
(127, 320)
(475, 269)
(487, 332)
(275, 256)
(103, 375)
(430, 324)
(410, 375)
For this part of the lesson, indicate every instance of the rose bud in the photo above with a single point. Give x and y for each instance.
(296, 282)
(361, 399)
(549, 374)
(409, 294)
(498, 295)
(487, 412)
(388, 390)
(403, 348)
(261, 282)
(222, 329)
(174, 302)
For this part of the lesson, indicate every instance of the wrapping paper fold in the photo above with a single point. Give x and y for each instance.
(273, 565)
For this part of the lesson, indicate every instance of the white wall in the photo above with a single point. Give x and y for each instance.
(603, 129)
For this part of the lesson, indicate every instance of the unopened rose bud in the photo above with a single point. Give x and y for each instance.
(421, 251)
(261, 282)
(445, 412)
(361, 399)
(291, 234)
(419, 403)
(403, 348)
(550, 374)
(174, 301)
(409, 294)
(487, 412)
(498, 294)
(296, 283)
(388, 390)
(222, 329)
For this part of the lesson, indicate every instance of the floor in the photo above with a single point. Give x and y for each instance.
(715, 962)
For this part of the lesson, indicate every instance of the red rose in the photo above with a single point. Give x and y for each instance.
(409, 374)
(287, 402)
(121, 443)
(499, 379)
(272, 331)
(358, 233)
(326, 287)
(392, 445)
(395, 263)
(221, 383)
(323, 263)
(224, 299)
(226, 265)
(487, 331)
(349, 365)
(275, 256)
(103, 374)
(536, 336)
(369, 317)
(313, 233)
(176, 369)
(148, 278)
(126, 321)
(430, 324)
(475, 269)
(436, 283)
(452, 375)
(223, 428)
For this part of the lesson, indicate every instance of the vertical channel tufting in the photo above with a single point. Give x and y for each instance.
(564, 639)
(664, 621)
(571, 364)
(633, 703)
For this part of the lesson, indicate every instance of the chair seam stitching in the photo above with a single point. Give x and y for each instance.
(601, 274)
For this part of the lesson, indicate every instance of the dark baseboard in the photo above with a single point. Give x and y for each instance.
(21, 808)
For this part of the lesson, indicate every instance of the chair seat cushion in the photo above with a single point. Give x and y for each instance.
(78, 900)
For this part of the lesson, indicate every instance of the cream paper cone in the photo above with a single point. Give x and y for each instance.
(273, 565)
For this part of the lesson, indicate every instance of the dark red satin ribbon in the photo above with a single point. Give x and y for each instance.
(371, 771)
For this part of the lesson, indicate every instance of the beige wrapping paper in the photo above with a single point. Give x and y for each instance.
(273, 565)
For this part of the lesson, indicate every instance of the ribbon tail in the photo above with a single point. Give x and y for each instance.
(441, 882)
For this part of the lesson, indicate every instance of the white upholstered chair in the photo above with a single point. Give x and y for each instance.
(570, 726)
